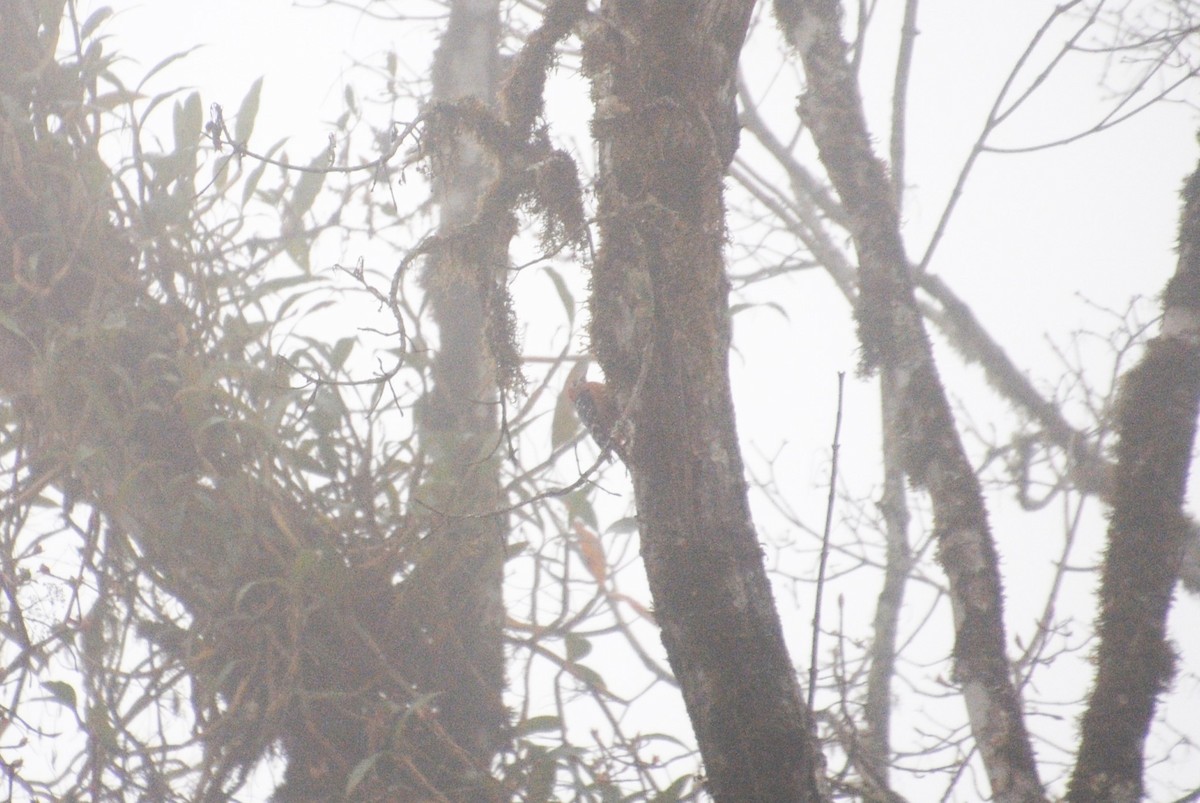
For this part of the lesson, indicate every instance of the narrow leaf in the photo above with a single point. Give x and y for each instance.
(307, 187)
(564, 293)
(538, 725)
(341, 351)
(565, 425)
(247, 112)
(93, 22)
(360, 771)
(167, 62)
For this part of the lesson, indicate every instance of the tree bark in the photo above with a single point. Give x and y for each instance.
(1156, 427)
(893, 336)
(877, 708)
(459, 580)
(663, 77)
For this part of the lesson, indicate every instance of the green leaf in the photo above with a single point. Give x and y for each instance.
(360, 771)
(9, 323)
(167, 62)
(577, 646)
(256, 174)
(107, 101)
(308, 186)
(221, 174)
(623, 526)
(675, 792)
(251, 183)
(62, 692)
(93, 22)
(298, 248)
(188, 121)
(565, 425)
(247, 112)
(272, 286)
(341, 351)
(564, 294)
(579, 506)
(538, 725)
(588, 675)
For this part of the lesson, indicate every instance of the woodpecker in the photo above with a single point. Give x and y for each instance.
(597, 408)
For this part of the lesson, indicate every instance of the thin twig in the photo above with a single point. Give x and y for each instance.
(908, 35)
(833, 467)
(998, 115)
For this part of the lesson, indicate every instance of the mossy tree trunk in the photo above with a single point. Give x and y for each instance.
(663, 77)
(459, 578)
(1156, 426)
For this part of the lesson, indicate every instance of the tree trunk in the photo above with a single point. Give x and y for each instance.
(663, 83)
(877, 708)
(459, 579)
(1156, 427)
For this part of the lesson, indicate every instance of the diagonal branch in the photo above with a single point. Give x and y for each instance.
(893, 336)
(1089, 469)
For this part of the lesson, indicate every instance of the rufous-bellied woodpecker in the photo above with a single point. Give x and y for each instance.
(597, 408)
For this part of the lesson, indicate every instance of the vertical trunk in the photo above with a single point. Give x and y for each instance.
(893, 336)
(459, 578)
(1156, 426)
(663, 82)
(878, 708)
